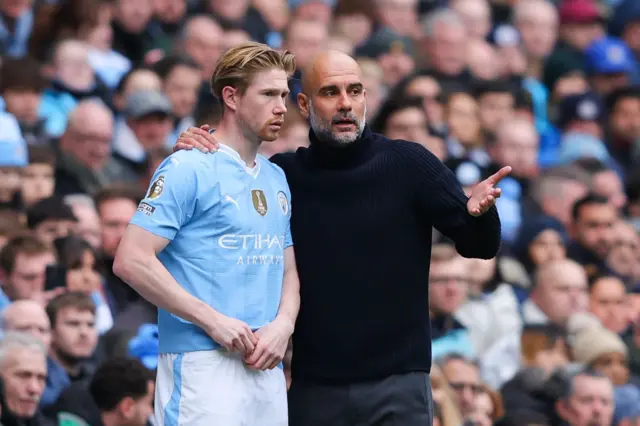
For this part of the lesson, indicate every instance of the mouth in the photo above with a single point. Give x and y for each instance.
(276, 125)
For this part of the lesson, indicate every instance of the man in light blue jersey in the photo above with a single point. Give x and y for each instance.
(210, 245)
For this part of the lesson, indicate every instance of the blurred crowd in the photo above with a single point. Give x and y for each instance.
(93, 94)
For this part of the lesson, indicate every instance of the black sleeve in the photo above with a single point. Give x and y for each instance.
(442, 202)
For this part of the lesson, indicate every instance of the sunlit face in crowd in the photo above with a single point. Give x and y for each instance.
(429, 90)
(74, 333)
(37, 183)
(591, 402)
(608, 302)
(114, 217)
(24, 373)
(593, 228)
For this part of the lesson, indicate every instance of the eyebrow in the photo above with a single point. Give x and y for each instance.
(274, 90)
(336, 88)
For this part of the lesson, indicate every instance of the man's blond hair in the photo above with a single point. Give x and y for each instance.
(238, 65)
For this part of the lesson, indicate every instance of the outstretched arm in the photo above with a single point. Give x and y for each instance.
(472, 223)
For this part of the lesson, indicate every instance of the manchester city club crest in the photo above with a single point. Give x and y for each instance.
(283, 203)
(259, 201)
(156, 188)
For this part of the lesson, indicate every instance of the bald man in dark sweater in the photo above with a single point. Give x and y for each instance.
(364, 210)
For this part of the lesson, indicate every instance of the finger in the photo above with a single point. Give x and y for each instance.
(205, 127)
(252, 336)
(238, 345)
(274, 364)
(248, 344)
(251, 358)
(264, 361)
(207, 137)
(181, 145)
(195, 141)
(497, 192)
(496, 177)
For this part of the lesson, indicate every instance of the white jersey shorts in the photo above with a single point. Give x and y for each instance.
(209, 388)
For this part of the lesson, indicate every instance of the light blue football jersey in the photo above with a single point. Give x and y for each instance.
(228, 226)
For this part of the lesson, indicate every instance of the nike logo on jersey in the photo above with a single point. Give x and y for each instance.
(228, 198)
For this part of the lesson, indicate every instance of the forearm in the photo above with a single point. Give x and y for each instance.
(148, 276)
(480, 236)
(290, 299)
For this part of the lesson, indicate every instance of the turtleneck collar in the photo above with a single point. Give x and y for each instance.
(340, 156)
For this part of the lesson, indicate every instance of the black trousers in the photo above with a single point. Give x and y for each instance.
(398, 400)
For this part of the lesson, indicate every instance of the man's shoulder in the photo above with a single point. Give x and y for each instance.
(271, 167)
(284, 160)
(191, 162)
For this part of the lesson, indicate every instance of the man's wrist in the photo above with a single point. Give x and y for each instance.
(286, 321)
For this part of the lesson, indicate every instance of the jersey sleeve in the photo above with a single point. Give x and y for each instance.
(170, 199)
(288, 241)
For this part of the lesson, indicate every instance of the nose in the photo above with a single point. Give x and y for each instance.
(344, 103)
(281, 107)
(33, 386)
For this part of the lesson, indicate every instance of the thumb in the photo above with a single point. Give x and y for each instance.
(205, 127)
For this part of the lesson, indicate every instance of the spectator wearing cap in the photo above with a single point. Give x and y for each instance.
(578, 113)
(21, 87)
(603, 351)
(51, 219)
(608, 64)
(392, 52)
(148, 121)
(16, 25)
(623, 125)
(625, 23)
(541, 239)
(581, 22)
(13, 158)
(84, 163)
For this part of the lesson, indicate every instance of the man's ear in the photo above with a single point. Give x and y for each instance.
(126, 407)
(303, 104)
(563, 409)
(229, 97)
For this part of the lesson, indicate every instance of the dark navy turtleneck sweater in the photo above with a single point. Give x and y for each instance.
(362, 217)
